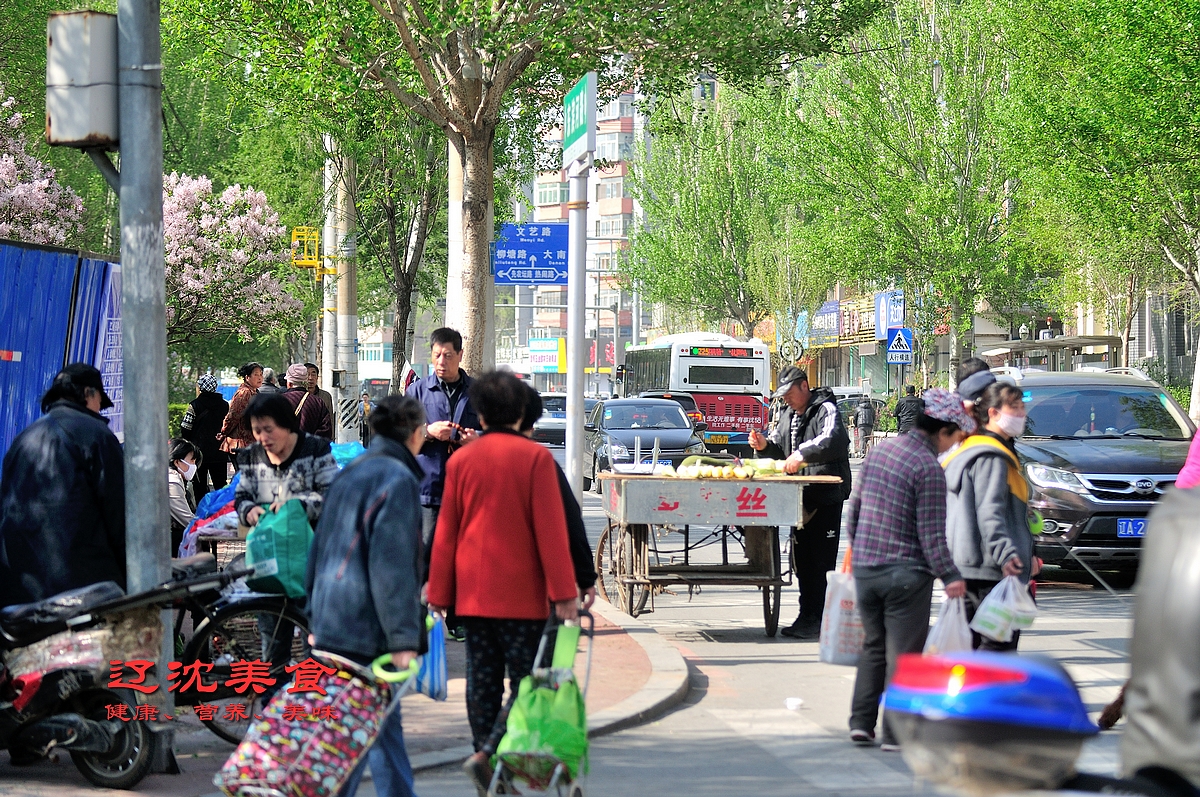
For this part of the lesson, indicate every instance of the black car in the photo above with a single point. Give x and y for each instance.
(614, 426)
(1099, 449)
(684, 400)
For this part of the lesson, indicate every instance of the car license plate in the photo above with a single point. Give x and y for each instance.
(717, 438)
(660, 462)
(1131, 527)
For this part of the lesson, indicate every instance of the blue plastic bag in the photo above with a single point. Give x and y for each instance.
(212, 502)
(345, 453)
(431, 679)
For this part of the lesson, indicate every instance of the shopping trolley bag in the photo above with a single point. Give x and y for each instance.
(308, 744)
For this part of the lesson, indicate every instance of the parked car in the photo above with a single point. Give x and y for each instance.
(1099, 450)
(614, 426)
(684, 400)
(551, 428)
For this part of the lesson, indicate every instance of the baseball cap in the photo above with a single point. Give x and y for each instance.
(946, 405)
(83, 375)
(973, 386)
(787, 377)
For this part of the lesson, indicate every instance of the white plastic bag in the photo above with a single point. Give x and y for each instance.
(950, 634)
(1007, 608)
(841, 625)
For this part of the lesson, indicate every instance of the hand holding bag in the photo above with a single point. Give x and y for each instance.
(1007, 608)
(277, 549)
(951, 633)
(841, 624)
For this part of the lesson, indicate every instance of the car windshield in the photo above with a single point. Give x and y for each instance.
(645, 416)
(554, 403)
(1093, 411)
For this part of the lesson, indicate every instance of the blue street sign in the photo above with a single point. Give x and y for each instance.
(531, 254)
(900, 346)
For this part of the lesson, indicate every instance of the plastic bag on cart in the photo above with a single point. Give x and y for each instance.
(951, 633)
(547, 723)
(1007, 608)
(841, 625)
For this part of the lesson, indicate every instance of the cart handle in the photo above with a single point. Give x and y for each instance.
(382, 669)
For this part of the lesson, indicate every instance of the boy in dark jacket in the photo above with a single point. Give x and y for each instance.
(364, 575)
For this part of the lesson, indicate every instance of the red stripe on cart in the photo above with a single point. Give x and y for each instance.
(10, 356)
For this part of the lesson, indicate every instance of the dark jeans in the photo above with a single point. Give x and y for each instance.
(976, 591)
(493, 646)
(815, 548)
(893, 601)
(429, 518)
(390, 768)
(215, 466)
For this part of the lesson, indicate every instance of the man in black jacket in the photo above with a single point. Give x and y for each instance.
(201, 423)
(907, 410)
(62, 496)
(812, 439)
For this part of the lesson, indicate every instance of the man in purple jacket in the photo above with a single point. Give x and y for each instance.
(312, 412)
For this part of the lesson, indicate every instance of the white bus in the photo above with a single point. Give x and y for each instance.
(729, 380)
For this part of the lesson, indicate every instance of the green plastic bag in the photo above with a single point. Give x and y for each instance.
(277, 549)
(548, 721)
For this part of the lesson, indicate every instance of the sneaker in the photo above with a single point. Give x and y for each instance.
(859, 736)
(890, 747)
(479, 771)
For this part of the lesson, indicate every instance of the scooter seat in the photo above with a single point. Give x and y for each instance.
(191, 566)
(31, 621)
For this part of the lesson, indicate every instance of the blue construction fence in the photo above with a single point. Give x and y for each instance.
(57, 306)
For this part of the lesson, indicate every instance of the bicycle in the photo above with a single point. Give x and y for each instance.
(238, 627)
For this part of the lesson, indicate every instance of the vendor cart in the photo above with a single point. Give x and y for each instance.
(657, 524)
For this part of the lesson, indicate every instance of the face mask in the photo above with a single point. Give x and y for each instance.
(1011, 425)
(188, 469)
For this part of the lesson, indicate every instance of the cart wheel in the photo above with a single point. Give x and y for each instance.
(576, 790)
(614, 555)
(771, 608)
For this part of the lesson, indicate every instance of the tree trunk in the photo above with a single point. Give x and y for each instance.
(1132, 305)
(470, 290)
(956, 345)
(400, 338)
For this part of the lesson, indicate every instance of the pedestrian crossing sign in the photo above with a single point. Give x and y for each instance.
(900, 346)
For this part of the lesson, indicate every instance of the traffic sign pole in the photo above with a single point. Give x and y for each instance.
(579, 141)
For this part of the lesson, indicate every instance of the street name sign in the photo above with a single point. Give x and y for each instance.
(579, 120)
(531, 254)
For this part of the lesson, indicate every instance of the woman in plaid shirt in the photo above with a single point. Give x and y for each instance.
(896, 518)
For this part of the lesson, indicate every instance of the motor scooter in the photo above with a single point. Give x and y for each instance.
(54, 684)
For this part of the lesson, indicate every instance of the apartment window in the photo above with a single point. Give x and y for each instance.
(618, 108)
(614, 146)
(610, 188)
(552, 193)
(612, 227)
(605, 261)
(549, 298)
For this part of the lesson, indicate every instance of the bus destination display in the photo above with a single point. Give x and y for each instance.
(705, 351)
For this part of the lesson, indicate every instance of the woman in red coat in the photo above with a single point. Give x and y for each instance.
(500, 556)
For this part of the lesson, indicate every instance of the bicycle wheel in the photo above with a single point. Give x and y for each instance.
(243, 631)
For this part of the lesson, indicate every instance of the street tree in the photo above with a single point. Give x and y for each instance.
(34, 206)
(1106, 92)
(464, 67)
(226, 263)
(902, 140)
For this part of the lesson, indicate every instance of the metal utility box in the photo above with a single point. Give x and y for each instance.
(81, 80)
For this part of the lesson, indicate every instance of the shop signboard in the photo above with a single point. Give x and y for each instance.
(547, 355)
(889, 312)
(857, 322)
(823, 327)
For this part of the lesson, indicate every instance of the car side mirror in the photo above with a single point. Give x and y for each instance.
(701, 426)
(589, 427)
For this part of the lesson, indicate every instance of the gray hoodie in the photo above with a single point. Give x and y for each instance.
(986, 510)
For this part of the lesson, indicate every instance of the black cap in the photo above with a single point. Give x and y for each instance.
(787, 377)
(83, 375)
(973, 386)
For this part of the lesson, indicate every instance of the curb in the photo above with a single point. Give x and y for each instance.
(666, 688)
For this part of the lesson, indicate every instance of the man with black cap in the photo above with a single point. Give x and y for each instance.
(812, 439)
(62, 495)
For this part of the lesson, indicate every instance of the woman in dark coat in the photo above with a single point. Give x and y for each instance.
(201, 425)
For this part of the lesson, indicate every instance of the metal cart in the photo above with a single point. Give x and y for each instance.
(639, 555)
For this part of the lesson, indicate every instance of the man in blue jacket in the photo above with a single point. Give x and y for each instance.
(452, 421)
(364, 571)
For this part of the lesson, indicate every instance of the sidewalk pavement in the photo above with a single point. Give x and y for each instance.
(635, 675)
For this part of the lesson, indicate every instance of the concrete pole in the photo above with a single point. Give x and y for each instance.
(576, 302)
(330, 238)
(144, 319)
(347, 308)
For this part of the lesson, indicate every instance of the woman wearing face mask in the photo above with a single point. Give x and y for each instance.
(184, 459)
(987, 503)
